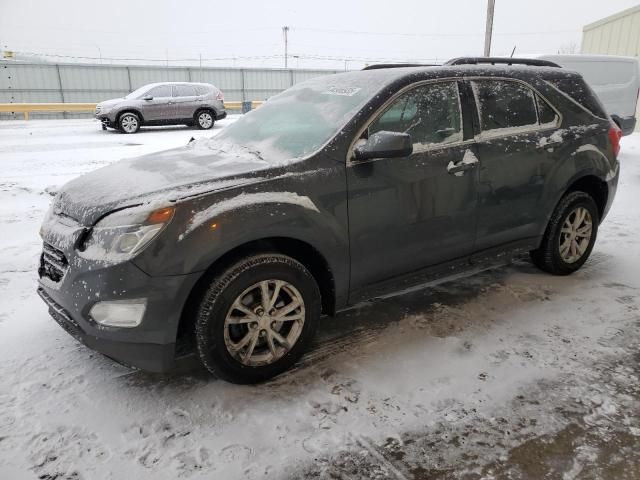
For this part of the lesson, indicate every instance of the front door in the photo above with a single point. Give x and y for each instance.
(160, 105)
(413, 212)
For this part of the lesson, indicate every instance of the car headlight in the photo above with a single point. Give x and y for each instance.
(123, 234)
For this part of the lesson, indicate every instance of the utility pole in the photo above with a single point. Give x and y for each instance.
(285, 32)
(489, 28)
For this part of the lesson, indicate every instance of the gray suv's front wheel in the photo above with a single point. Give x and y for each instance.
(257, 318)
(129, 122)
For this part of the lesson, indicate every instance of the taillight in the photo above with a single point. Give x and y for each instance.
(615, 134)
(220, 96)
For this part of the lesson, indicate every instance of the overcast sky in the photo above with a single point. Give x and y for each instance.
(322, 33)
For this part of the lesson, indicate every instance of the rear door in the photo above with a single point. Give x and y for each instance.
(516, 151)
(160, 107)
(412, 212)
(186, 100)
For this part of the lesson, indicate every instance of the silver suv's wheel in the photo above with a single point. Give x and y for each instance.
(204, 120)
(570, 235)
(129, 123)
(257, 318)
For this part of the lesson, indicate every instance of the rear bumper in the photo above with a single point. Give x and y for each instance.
(221, 115)
(627, 124)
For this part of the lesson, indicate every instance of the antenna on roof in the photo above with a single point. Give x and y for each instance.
(512, 52)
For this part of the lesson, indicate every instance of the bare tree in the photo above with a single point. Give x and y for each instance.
(571, 47)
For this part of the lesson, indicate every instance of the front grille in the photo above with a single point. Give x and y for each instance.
(53, 263)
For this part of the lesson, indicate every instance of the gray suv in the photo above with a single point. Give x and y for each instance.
(173, 103)
(340, 189)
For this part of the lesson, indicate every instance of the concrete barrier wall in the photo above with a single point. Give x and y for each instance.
(79, 83)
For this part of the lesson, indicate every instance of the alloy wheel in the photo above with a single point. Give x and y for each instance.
(129, 123)
(575, 235)
(264, 322)
(205, 120)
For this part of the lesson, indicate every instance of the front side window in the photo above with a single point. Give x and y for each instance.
(160, 91)
(429, 113)
(504, 105)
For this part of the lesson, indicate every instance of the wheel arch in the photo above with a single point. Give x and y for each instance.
(130, 110)
(204, 108)
(595, 187)
(297, 249)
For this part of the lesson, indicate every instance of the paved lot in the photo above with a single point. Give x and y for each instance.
(507, 374)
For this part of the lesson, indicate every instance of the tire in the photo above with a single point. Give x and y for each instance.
(216, 337)
(553, 256)
(204, 119)
(129, 122)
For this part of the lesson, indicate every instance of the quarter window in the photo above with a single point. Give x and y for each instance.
(546, 114)
(160, 91)
(504, 104)
(429, 113)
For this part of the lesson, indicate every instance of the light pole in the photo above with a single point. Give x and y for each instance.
(489, 28)
(285, 32)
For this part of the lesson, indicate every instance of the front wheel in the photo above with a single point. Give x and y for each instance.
(257, 318)
(570, 235)
(204, 120)
(129, 123)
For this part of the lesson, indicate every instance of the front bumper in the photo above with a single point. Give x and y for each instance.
(149, 346)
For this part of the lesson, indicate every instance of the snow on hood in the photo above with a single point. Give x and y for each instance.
(111, 103)
(165, 176)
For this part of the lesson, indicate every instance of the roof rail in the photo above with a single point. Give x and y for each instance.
(533, 62)
(377, 66)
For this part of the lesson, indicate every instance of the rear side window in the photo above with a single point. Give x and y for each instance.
(160, 91)
(503, 104)
(429, 113)
(184, 91)
(576, 89)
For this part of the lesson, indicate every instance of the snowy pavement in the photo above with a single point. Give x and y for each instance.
(511, 373)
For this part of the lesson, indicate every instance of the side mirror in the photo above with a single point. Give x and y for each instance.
(385, 145)
(147, 97)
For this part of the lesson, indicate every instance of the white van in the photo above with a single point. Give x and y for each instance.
(615, 79)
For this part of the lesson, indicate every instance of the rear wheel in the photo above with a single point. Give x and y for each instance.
(129, 122)
(204, 119)
(570, 235)
(257, 318)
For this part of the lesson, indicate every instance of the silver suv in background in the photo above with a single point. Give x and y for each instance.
(173, 103)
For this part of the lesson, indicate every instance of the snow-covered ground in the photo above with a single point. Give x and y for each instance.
(508, 374)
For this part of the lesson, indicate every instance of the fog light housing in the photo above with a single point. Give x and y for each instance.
(119, 313)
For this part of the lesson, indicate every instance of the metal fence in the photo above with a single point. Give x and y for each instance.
(43, 82)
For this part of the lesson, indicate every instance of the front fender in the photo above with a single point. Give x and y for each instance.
(211, 227)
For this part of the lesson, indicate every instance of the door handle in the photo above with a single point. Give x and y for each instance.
(169, 103)
(469, 161)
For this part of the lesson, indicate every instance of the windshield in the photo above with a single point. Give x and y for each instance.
(300, 120)
(136, 93)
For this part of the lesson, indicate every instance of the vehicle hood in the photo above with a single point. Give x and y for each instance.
(111, 103)
(159, 178)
